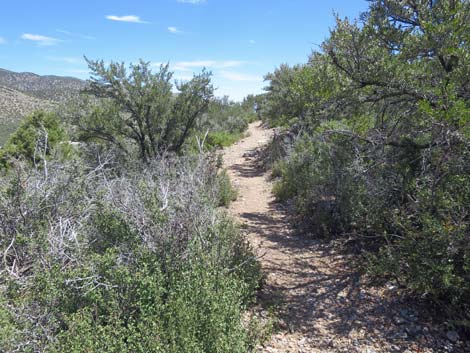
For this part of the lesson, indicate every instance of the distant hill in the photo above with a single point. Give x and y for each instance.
(14, 103)
(54, 88)
(22, 93)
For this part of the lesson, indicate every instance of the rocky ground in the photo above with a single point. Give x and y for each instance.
(321, 302)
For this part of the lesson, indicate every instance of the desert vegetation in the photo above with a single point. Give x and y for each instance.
(114, 230)
(112, 233)
(375, 144)
(21, 94)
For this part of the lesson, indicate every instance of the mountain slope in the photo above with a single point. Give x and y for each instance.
(14, 104)
(54, 88)
(23, 93)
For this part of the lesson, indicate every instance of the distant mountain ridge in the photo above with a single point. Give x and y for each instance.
(54, 88)
(21, 93)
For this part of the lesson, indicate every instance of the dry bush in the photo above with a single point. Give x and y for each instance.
(128, 244)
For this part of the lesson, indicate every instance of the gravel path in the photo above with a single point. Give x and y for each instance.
(322, 304)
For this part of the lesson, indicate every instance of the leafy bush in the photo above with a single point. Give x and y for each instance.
(136, 108)
(382, 156)
(35, 139)
(124, 248)
(227, 116)
(226, 121)
(122, 259)
(222, 139)
(226, 192)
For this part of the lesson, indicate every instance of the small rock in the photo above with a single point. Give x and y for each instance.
(453, 336)
(408, 315)
(413, 330)
(401, 335)
(399, 320)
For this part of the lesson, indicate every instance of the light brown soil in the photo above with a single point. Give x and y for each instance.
(321, 302)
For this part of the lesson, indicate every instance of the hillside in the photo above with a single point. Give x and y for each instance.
(23, 93)
(15, 103)
(54, 88)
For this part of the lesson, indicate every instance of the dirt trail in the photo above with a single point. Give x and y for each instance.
(320, 302)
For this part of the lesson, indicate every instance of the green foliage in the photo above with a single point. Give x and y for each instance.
(137, 108)
(129, 259)
(113, 259)
(195, 309)
(204, 312)
(226, 192)
(124, 248)
(298, 94)
(324, 193)
(226, 121)
(220, 139)
(35, 139)
(8, 331)
(84, 334)
(232, 117)
(383, 115)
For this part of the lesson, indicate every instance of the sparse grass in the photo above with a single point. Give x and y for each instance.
(220, 139)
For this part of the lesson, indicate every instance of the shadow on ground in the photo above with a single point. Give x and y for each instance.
(320, 292)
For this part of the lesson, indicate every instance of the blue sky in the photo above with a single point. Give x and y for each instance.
(238, 40)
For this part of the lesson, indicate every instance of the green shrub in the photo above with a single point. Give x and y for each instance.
(222, 139)
(226, 121)
(226, 192)
(84, 334)
(8, 327)
(428, 250)
(131, 260)
(36, 137)
(420, 240)
(203, 312)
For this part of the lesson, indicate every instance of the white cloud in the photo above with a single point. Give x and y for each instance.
(75, 35)
(3, 40)
(40, 39)
(66, 59)
(236, 76)
(64, 32)
(228, 80)
(174, 30)
(210, 64)
(231, 63)
(194, 2)
(252, 41)
(127, 18)
(189, 65)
